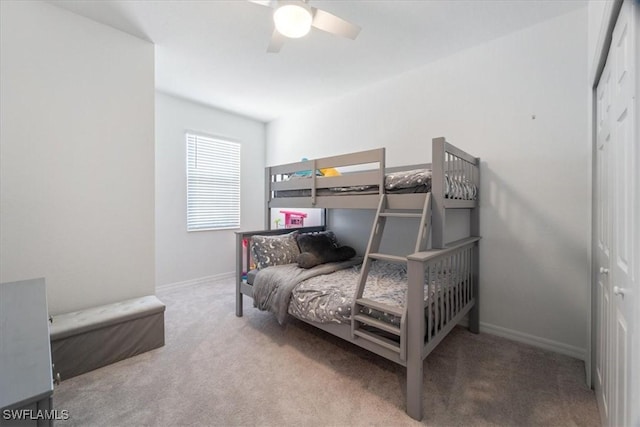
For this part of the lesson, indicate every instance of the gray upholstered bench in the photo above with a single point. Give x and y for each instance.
(89, 339)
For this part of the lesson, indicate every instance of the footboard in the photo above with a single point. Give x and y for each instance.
(451, 275)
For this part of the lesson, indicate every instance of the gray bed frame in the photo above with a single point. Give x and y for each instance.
(424, 324)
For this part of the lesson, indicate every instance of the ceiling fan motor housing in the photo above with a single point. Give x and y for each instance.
(293, 18)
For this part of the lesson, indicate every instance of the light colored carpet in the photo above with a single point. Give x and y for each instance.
(218, 369)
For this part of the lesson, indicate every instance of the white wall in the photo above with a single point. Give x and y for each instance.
(635, 394)
(519, 103)
(180, 255)
(599, 13)
(76, 156)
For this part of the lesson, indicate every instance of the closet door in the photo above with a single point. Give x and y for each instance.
(617, 226)
(624, 268)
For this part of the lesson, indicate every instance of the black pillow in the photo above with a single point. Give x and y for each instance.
(320, 248)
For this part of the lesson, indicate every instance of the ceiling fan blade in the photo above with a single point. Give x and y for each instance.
(332, 24)
(268, 3)
(276, 42)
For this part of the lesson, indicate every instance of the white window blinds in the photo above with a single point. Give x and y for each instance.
(213, 183)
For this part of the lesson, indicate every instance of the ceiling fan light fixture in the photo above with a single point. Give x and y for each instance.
(293, 20)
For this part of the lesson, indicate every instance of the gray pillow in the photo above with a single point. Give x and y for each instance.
(310, 238)
(274, 250)
(320, 248)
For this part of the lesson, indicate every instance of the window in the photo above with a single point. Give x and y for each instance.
(213, 183)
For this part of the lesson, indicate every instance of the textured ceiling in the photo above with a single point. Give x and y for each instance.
(214, 52)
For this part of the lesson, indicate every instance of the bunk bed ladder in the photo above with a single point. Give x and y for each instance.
(363, 325)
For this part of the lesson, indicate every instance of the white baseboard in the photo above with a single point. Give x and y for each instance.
(544, 343)
(200, 280)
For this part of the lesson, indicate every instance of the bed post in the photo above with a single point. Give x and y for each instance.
(474, 313)
(383, 170)
(415, 337)
(239, 238)
(267, 198)
(437, 192)
(475, 212)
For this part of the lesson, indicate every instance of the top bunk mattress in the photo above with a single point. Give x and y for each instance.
(403, 182)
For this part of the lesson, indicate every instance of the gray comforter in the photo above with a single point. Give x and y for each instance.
(272, 286)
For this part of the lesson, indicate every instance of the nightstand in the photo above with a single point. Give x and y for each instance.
(26, 383)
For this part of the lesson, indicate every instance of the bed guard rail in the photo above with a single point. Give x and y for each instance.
(452, 168)
(277, 176)
(452, 277)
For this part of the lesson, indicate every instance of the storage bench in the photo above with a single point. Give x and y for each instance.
(89, 339)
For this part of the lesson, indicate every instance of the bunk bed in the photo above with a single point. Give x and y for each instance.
(432, 289)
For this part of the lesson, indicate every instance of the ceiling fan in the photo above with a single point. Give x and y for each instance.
(294, 19)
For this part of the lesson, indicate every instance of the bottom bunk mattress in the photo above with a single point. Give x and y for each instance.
(327, 296)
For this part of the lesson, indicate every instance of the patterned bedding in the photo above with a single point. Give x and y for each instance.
(404, 182)
(328, 298)
(272, 286)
